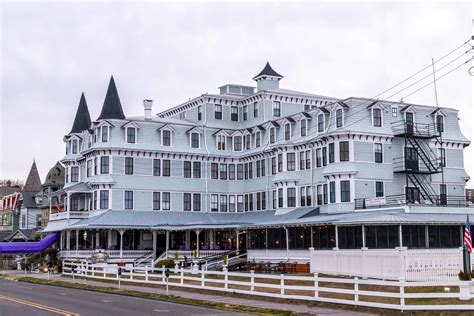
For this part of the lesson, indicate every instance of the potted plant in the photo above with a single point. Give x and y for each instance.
(465, 286)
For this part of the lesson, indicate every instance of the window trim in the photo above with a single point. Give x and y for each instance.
(134, 135)
(198, 140)
(373, 116)
(218, 113)
(162, 137)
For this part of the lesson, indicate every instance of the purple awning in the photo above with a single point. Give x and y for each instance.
(29, 247)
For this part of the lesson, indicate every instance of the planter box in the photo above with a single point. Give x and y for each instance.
(466, 290)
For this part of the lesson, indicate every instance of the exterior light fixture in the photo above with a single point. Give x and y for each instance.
(84, 236)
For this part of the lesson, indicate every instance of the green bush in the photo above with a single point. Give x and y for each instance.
(464, 276)
(168, 263)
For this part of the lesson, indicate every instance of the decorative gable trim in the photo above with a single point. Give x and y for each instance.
(166, 126)
(131, 124)
(195, 129)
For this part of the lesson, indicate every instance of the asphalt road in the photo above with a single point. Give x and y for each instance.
(20, 298)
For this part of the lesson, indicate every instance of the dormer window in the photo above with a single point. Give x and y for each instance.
(237, 143)
(272, 135)
(218, 111)
(234, 113)
(245, 112)
(221, 140)
(394, 111)
(304, 126)
(287, 131)
(258, 136)
(321, 123)
(377, 117)
(339, 118)
(131, 135)
(105, 134)
(276, 108)
(439, 123)
(166, 138)
(247, 141)
(195, 140)
(74, 146)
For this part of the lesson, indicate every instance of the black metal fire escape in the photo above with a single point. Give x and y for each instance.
(419, 161)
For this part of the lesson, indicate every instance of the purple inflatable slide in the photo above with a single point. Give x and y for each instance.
(29, 247)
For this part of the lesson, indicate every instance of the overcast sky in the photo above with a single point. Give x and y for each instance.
(170, 52)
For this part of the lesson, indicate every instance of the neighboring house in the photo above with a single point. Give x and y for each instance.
(271, 170)
(54, 181)
(9, 200)
(29, 211)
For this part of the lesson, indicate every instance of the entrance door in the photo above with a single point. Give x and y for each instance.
(413, 195)
(411, 159)
(409, 123)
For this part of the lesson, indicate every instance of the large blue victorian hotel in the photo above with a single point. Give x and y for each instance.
(262, 170)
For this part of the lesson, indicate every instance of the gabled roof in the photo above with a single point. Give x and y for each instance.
(131, 124)
(55, 175)
(268, 71)
(82, 121)
(343, 104)
(33, 182)
(372, 104)
(112, 108)
(438, 111)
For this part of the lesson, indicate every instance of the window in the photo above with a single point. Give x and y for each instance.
(240, 172)
(166, 168)
(74, 146)
(156, 167)
(290, 162)
(258, 168)
(74, 174)
(339, 119)
(304, 124)
(214, 170)
(166, 201)
(199, 113)
(104, 199)
(247, 141)
(240, 203)
(325, 193)
(280, 162)
(187, 169)
(378, 153)
(245, 112)
(262, 167)
(439, 123)
(302, 163)
(250, 170)
(257, 139)
(196, 169)
(325, 156)
(377, 117)
(303, 196)
(308, 196)
(259, 200)
(280, 197)
(251, 202)
(287, 131)
(414, 236)
(234, 113)
(264, 200)
(156, 200)
(319, 192)
(166, 138)
(382, 236)
(221, 142)
(276, 108)
(128, 165)
(96, 165)
(318, 157)
(104, 165)
(232, 203)
(231, 172)
(105, 133)
(218, 112)
(186, 201)
(291, 197)
(214, 202)
(89, 168)
(350, 237)
(332, 192)
(344, 151)
(394, 111)
(308, 159)
(442, 157)
(321, 123)
(196, 202)
(331, 153)
(255, 109)
(128, 200)
(194, 140)
(223, 171)
(223, 203)
(74, 203)
(379, 188)
(237, 143)
(272, 135)
(345, 191)
(131, 135)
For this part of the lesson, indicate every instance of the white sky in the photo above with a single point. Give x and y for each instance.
(170, 52)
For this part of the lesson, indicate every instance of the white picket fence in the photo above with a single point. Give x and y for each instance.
(390, 264)
(349, 291)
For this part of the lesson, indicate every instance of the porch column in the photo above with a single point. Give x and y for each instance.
(68, 195)
(400, 236)
(363, 236)
(197, 231)
(121, 231)
(61, 241)
(97, 239)
(337, 238)
(188, 239)
(237, 234)
(153, 232)
(77, 240)
(109, 238)
(167, 245)
(287, 243)
(68, 240)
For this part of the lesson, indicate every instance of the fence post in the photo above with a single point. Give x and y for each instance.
(356, 290)
(202, 278)
(181, 275)
(93, 270)
(402, 293)
(316, 285)
(87, 268)
(364, 264)
(226, 279)
(163, 275)
(282, 284)
(146, 274)
(131, 273)
(252, 280)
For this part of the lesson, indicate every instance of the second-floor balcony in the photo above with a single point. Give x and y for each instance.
(389, 201)
(68, 215)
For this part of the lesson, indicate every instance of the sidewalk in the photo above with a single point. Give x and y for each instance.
(296, 308)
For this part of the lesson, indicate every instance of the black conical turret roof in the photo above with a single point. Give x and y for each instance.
(82, 121)
(112, 108)
(33, 182)
(268, 71)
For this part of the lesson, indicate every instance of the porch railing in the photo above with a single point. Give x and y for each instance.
(85, 254)
(68, 215)
(190, 253)
(401, 200)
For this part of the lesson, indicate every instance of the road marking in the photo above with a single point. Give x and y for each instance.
(39, 306)
(162, 310)
(107, 301)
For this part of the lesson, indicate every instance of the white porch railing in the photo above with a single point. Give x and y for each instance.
(68, 215)
(391, 264)
(190, 253)
(397, 295)
(113, 254)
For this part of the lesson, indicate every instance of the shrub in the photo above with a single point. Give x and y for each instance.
(464, 276)
(168, 263)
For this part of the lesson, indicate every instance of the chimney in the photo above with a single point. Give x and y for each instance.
(147, 105)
